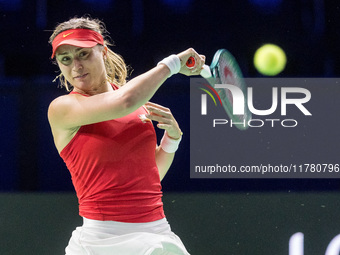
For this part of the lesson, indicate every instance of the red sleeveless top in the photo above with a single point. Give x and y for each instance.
(114, 172)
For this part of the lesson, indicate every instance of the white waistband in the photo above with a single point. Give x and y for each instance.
(121, 228)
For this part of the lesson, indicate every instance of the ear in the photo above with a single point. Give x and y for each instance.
(105, 52)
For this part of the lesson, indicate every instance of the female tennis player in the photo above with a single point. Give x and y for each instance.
(103, 131)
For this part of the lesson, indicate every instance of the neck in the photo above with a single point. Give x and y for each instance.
(105, 86)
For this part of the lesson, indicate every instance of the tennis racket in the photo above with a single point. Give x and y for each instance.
(225, 70)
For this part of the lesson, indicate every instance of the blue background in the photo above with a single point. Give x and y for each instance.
(144, 32)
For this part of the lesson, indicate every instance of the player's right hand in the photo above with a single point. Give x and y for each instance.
(199, 62)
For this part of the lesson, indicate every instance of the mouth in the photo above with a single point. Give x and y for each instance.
(79, 77)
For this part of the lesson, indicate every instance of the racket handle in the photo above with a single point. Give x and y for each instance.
(191, 62)
(205, 73)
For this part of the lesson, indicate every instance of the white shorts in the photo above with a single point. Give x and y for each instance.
(112, 238)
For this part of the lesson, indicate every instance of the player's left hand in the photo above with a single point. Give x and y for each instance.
(164, 118)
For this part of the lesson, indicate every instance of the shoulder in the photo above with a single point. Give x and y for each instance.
(60, 105)
(61, 128)
(65, 100)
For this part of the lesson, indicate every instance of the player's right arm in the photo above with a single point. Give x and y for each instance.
(75, 110)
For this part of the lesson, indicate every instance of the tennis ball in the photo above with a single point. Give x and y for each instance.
(270, 60)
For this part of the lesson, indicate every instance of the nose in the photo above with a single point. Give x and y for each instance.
(77, 65)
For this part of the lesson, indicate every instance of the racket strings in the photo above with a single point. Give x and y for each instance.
(229, 75)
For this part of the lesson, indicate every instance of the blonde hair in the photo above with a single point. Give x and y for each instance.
(116, 69)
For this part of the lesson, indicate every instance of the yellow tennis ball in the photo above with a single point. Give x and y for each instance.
(270, 60)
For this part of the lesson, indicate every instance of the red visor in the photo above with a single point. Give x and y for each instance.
(84, 38)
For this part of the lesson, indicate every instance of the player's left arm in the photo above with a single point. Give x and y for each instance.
(163, 161)
(166, 121)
